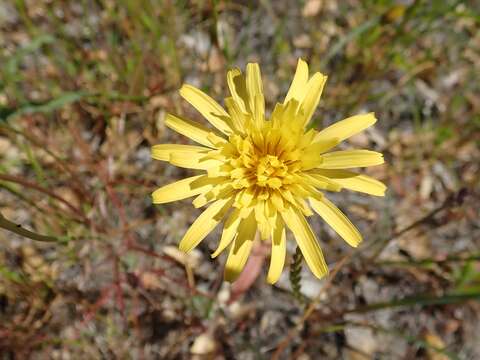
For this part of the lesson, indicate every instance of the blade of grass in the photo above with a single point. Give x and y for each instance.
(422, 300)
(45, 191)
(49, 106)
(352, 35)
(430, 261)
(19, 230)
(409, 338)
(37, 167)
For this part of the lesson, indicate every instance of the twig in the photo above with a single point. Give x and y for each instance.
(20, 181)
(58, 161)
(452, 200)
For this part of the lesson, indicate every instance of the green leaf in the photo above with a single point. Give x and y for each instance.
(202, 306)
(12, 64)
(10, 275)
(421, 300)
(49, 106)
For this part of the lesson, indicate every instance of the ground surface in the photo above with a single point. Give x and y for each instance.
(84, 89)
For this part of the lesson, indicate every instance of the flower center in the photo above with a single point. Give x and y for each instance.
(270, 171)
(264, 160)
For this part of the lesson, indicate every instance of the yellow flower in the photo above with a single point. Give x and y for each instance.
(263, 172)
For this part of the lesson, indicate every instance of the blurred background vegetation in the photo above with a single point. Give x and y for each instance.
(84, 89)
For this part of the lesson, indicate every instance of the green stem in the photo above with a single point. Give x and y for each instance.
(296, 276)
(17, 229)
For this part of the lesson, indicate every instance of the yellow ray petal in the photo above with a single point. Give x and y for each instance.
(163, 151)
(209, 108)
(255, 92)
(279, 250)
(307, 241)
(277, 115)
(240, 249)
(350, 159)
(245, 197)
(194, 131)
(229, 232)
(337, 220)
(259, 114)
(320, 147)
(306, 138)
(303, 206)
(311, 157)
(181, 189)
(277, 200)
(290, 113)
(236, 114)
(259, 211)
(220, 191)
(300, 190)
(353, 181)
(193, 160)
(204, 224)
(312, 97)
(299, 82)
(321, 182)
(345, 128)
(237, 85)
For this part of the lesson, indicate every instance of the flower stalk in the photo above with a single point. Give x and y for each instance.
(296, 275)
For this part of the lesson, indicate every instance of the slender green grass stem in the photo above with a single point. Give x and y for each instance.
(19, 230)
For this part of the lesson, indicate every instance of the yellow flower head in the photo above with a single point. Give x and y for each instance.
(265, 173)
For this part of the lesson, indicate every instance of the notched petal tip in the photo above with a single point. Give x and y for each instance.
(382, 191)
(215, 254)
(323, 275)
(271, 280)
(337, 220)
(235, 71)
(381, 159)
